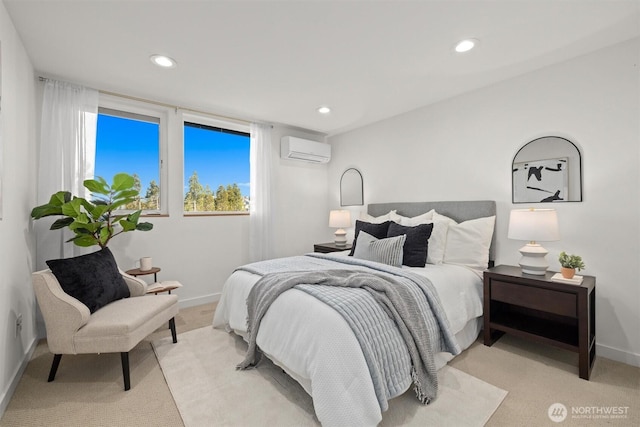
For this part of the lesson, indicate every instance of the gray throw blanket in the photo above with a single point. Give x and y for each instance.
(396, 299)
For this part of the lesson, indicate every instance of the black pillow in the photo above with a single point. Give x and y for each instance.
(378, 231)
(417, 243)
(92, 279)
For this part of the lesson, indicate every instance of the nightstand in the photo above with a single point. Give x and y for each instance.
(325, 248)
(535, 308)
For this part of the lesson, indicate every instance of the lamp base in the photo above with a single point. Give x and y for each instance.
(533, 259)
(341, 237)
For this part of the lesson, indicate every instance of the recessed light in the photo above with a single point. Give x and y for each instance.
(466, 45)
(163, 61)
(324, 110)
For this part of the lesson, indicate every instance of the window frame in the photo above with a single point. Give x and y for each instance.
(131, 107)
(207, 121)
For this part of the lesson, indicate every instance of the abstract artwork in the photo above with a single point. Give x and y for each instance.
(541, 181)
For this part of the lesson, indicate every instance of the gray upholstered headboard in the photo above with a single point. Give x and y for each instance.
(457, 210)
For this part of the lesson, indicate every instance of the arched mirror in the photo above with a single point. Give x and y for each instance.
(351, 188)
(547, 169)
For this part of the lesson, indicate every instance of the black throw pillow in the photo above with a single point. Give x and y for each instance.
(378, 231)
(417, 243)
(92, 279)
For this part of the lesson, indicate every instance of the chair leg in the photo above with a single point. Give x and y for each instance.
(125, 370)
(172, 326)
(54, 367)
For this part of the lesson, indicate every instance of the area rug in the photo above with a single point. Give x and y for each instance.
(200, 372)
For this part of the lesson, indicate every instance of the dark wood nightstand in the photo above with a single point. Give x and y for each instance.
(536, 308)
(325, 248)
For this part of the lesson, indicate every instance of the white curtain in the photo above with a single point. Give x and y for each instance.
(66, 158)
(261, 221)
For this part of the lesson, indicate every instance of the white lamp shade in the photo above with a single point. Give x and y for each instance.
(339, 219)
(534, 225)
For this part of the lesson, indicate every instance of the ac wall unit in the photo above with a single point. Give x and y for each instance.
(304, 149)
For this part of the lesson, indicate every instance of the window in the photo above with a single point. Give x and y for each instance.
(216, 167)
(129, 139)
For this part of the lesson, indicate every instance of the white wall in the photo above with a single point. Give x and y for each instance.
(17, 169)
(300, 200)
(462, 149)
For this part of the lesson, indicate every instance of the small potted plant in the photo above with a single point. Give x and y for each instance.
(569, 264)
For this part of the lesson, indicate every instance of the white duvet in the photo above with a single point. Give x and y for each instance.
(315, 345)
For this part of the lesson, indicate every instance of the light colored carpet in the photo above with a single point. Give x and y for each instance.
(88, 389)
(200, 372)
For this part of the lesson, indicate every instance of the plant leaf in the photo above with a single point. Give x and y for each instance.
(61, 223)
(134, 217)
(144, 226)
(126, 194)
(84, 240)
(127, 225)
(72, 208)
(122, 181)
(122, 202)
(105, 235)
(60, 198)
(45, 210)
(96, 186)
(97, 211)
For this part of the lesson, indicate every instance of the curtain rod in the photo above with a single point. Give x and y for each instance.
(162, 104)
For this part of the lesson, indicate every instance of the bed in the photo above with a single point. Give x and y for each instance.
(314, 344)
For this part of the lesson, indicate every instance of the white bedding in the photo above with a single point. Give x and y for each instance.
(322, 353)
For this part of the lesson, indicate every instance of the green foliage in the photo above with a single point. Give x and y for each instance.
(202, 199)
(94, 222)
(151, 199)
(571, 261)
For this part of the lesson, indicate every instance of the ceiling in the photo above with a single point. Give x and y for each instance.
(279, 61)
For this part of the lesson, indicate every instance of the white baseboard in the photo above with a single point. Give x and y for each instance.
(618, 355)
(11, 388)
(204, 299)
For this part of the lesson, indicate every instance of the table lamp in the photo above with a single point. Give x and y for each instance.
(340, 219)
(534, 225)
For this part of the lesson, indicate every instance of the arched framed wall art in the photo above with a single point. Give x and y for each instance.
(547, 170)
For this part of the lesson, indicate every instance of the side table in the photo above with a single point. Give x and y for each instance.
(326, 248)
(135, 272)
(538, 309)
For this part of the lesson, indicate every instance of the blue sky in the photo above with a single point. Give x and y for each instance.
(131, 146)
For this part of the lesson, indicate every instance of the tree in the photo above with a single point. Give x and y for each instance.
(234, 197)
(229, 198)
(222, 199)
(152, 196)
(202, 199)
(193, 193)
(208, 200)
(137, 203)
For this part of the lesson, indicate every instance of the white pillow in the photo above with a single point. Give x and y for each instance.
(413, 221)
(438, 238)
(376, 219)
(438, 217)
(386, 251)
(468, 242)
(437, 242)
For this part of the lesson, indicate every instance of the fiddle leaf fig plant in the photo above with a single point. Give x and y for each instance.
(571, 261)
(95, 222)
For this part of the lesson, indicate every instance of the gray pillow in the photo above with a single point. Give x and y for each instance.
(386, 251)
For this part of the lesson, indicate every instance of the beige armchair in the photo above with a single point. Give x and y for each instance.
(117, 327)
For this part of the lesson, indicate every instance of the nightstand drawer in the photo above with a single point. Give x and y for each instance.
(557, 302)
